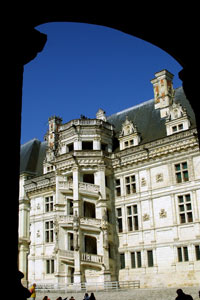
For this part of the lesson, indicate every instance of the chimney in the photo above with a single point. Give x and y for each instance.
(163, 91)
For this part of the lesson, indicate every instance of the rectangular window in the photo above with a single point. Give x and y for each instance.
(181, 172)
(119, 219)
(87, 145)
(197, 251)
(70, 207)
(150, 258)
(48, 204)
(49, 232)
(130, 184)
(185, 209)
(50, 266)
(122, 261)
(136, 261)
(183, 254)
(132, 217)
(117, 187)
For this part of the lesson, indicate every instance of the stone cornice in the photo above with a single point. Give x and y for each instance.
(175, 143)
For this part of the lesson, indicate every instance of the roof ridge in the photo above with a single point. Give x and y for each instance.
(132, 107)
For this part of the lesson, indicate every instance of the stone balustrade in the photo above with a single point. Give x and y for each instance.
(83, 221)
(89, 187)
(66, 253)
(92, 258)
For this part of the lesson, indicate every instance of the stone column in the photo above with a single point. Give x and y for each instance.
(105, 244)
(76, 225)
(96, 144)
(77, 252)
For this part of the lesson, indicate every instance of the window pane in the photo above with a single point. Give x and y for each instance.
(181, 207)
(128, 190)
(47, 236)
(51, 236)
(136, 222)
(120, 228)
(133, 187)
(48, 266)
(150, 258)
(197, 250)
(182, 218)
(133, 260)
(118, 191)
(189, 216)
(129, 210)
(185, 176)
(117, 182)
(52, 266)
(130, 224)
(122, 261)
(180, 199)
(184, 165)
(180, 258)
(119, 212)
(185, 252)
(187, 198)
(189, 206)
(127, 179)
(177, 167)
(178, 177)
(133, 178)
(139, 260)
(135, 209)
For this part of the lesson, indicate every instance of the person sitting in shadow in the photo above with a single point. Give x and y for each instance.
(92, 297)
(182, 295)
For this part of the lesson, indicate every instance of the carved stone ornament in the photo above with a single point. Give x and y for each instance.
(143, 181)
(128, 127)
(159, 177)
(146, 217)
(163, 213)
(38, 233)
(176, 111)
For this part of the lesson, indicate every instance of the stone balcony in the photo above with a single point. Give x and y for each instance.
(84, 187)
(91, 258)
(86, 258)
(84, 222)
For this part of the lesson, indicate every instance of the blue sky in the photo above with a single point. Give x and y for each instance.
(85, 67)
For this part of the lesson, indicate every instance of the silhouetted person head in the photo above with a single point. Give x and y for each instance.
(179, 292)
(182, 295)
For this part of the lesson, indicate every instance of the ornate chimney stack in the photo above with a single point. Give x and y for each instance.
(163, 91)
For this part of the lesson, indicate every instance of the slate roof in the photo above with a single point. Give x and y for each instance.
(32, 155)
(147, 118)
(144, 116)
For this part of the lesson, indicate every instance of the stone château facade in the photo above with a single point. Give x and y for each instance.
(114, 198)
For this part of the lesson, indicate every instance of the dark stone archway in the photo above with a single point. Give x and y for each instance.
(170, 30)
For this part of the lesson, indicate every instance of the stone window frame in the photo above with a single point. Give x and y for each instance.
(119, 219)
(185, 208)
(49, 231)
(130, 184)
(136, 259)
(118, 190)
(182, 253)
(181, 171)
(132, 217)
(50, 266)
(49, 203)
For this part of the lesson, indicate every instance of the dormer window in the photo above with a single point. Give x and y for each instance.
(129, 135)
(177, 119)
